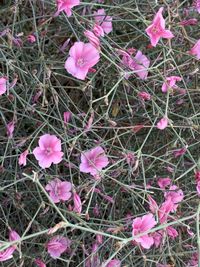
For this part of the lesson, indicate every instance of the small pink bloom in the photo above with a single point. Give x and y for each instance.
(141, 65)
(10, 129)
(22, 158)
(57, 245)
(104, 21)
(144, 96)
(197, 175)
(17, 41)
(130, 158)
(67, 116)
(157, 29)
(175, 195)
(195, 50)
(7, 254)
(114, 263)
(66, 6)
(162, 124)
(58, 190)
(196, 4)
(193, 262)
(89, 123)
(171, 231)
(77, 203)
(93, 161)
(157, 237)
(82, 58)
(39, 263)
(188, 22)
(164, 182)
(98, 30)
(31, 38)
(3, 85)
(92, 38)
(141, 225)
(153, 206)
(99, 239)
(49, 151)
(165, 209)
(170, 83)
(179, 152)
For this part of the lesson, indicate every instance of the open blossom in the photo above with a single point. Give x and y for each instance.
(7, 253)
(141, 225)
(170, 83)
(66, 6)
(157, 29)
(58, 190)
(49, 151)
(104, 21)
(57, 245)
(164, 210)
(93, 161)
(3, 86)
(138, 64)
(195, 50)
(196, 4)
(92, 38)
(22, 158)
(175, 195)
(162, 124)
(81, 58)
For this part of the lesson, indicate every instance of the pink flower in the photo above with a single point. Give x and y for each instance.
(157, 29)
(195, 50)
(144, 96)
(57, 245)
(31, 38)
(164, 210)
(93, 161)
(164, 182)
(10, 127)
(22, 158)
(39, 263)
(77, 203)
(162, 124)
(198, 188)
(82, 58)
(67, 116)
(98, 30)
(49, 151)
(141, 65)
(157, 237)
(7, 253)
(170, 83)
(66, 6)
(141, 225)
(114, 263)
(179, 152)
(58, 190)
(196, 4)
(175, 195)
(3, 85)
(153, 206)
(104, 21)
(92, 38)
(171, 231)
(188, 22)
